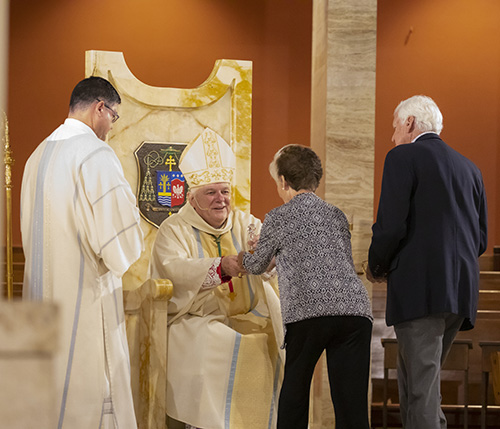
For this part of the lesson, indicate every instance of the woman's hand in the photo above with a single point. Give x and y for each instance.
(272, 264)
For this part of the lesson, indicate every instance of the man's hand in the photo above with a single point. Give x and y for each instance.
(370, 278)
(230, 266)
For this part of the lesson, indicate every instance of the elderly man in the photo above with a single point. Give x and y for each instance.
(224, 332)
(429, 233)
(81, 232)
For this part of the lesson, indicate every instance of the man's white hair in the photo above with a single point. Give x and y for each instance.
(427, 115)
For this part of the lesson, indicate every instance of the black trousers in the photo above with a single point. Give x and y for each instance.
(346, 340)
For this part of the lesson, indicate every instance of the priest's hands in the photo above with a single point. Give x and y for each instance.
(231, 267)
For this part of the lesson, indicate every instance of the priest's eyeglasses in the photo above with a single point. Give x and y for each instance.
(115, 115)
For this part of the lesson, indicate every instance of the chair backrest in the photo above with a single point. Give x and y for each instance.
(156, 123)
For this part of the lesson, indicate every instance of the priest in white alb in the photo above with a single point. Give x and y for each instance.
(80, 231)
(224, 363)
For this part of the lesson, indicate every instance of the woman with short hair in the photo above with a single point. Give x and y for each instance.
(324, 304)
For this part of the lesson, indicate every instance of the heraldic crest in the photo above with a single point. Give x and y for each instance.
(162, 188)
(162, 185)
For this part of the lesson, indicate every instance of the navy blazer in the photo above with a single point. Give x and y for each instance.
(431, 228)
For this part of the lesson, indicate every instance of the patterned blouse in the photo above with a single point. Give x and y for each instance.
(312, 244)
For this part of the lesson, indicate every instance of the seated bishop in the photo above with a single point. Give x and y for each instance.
(224, 362)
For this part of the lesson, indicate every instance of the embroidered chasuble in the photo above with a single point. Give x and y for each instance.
(224, 364)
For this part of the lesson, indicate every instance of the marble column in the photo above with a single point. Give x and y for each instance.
(343, 132)
(351, 115)
(343, 109)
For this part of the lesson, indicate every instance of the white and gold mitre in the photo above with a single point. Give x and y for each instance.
(207, 159)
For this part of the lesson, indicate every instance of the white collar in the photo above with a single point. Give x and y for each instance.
(420, 135)
(71, 127)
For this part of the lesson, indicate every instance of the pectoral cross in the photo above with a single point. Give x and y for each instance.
(232, 294)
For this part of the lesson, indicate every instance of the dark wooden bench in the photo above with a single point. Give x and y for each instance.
(457, 360)
(486, 330)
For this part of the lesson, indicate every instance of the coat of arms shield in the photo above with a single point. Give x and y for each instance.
(161, 188)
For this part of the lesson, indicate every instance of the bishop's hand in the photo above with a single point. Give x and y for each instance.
(231, 267)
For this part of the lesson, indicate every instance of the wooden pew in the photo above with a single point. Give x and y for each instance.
(457, 360)
(487, 329)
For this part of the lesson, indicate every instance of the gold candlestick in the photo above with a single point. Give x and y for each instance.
(8, 161)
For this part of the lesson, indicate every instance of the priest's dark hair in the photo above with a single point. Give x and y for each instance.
(91, 89)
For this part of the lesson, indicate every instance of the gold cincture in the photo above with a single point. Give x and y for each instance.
(8, 161)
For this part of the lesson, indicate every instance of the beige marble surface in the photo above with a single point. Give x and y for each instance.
(351, 115)
(349, 54)
(146, 320)
(319, 83)
(28, 345)
(175, 115)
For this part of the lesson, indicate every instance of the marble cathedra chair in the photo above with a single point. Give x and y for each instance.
(155, 126)
(146, 321)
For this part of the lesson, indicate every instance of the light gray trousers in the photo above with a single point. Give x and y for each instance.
(423, 346)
